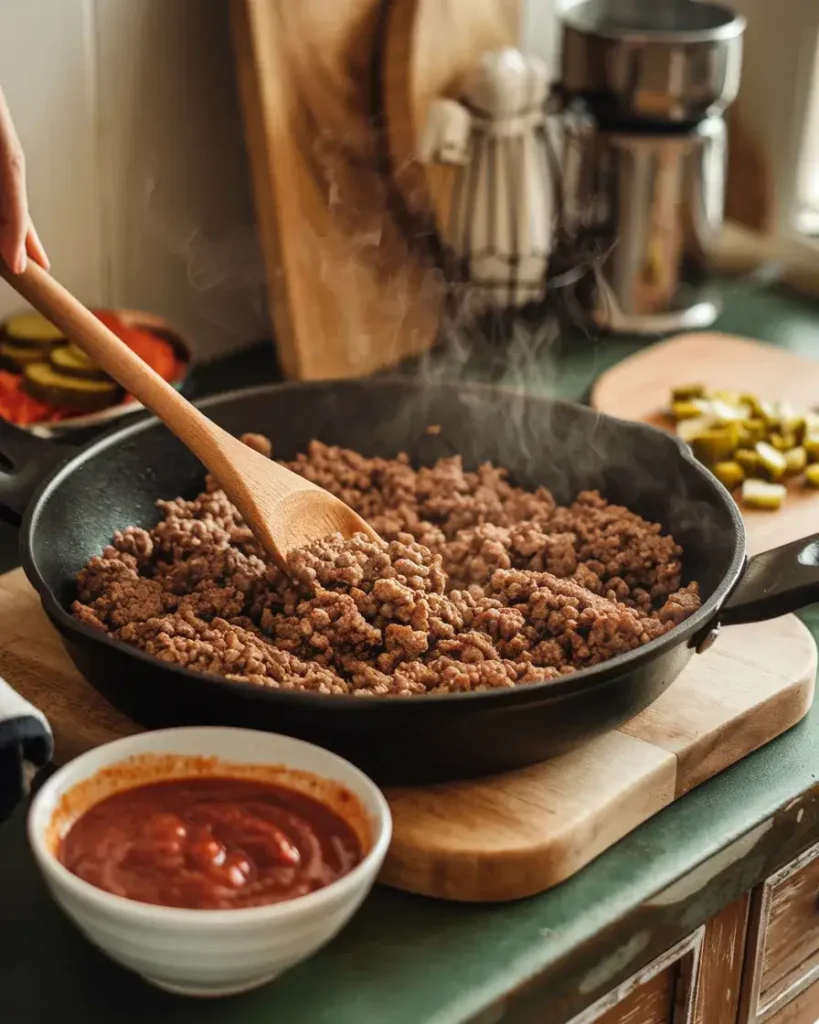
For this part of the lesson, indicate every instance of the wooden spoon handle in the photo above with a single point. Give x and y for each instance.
(111, 354)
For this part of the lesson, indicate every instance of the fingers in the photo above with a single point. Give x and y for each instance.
(14, 219)
(34, 247)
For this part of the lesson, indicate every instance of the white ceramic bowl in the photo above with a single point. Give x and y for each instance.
(207, 952)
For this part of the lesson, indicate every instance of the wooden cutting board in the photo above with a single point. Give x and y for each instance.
(638, 389)
(348, 290)
(511, 835)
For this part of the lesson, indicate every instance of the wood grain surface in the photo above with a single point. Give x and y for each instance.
(650, 1003)
(348, 292)
(638, 388)
(782, 952)
(791, 948)
(663, 992)
(511, 835)
(723, 953)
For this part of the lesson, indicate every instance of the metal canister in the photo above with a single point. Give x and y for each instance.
(648, 208)
(644, 86)
(651, 61)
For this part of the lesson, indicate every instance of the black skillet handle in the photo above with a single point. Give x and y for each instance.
(25, 462)
(774, 583)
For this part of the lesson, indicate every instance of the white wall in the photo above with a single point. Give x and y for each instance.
(779, 60)
(137, 171)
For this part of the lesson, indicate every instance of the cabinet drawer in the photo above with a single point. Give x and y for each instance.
(651, 1003)
(783, 954)
(664, 992)
(804, 1009)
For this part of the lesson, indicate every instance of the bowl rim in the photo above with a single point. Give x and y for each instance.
(148, 913)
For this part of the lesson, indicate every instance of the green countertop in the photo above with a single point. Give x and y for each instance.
(408, 960)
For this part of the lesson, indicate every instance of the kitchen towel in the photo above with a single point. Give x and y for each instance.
(26, 744)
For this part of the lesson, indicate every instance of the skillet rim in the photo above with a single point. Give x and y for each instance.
(571, 685)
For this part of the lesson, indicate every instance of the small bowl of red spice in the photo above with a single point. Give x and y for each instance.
(209, 860)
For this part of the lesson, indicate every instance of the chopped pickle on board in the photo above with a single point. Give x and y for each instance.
(771, 460)
(716, 444)
(762, 494)
(686, 410)
(749, 460)
(748, 440)
(811, 446)
(795, 460)
(685, 392)
(729, 474)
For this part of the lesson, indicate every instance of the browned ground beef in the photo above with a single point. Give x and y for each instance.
(477, 584)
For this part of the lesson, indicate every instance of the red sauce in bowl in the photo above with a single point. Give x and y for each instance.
(210, 843)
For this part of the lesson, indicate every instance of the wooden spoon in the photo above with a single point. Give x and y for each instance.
(284, 511)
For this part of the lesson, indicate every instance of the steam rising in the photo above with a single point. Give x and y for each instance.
(224, 271)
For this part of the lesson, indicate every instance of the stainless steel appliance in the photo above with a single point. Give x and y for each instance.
(643, 87)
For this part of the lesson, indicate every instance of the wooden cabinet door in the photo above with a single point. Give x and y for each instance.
(782, 960)
(664, 992)
(696, 982)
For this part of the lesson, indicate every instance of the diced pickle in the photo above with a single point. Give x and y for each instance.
(795, 460)
(752, 401)
(685, 392)
(716, 444)
(762, 494)
(811, 446)
(725, 395)
(724, 412)
(782, 442)
(748, 441)
(789, 421)
(798, 429)
(771, 460)
(729, 474)
(751, 431)
(767, 412)
(687, 430)
(748, 460)
(685, 410)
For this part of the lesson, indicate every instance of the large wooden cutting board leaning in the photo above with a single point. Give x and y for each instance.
(511, 835)
(638, 388)
(349, 292)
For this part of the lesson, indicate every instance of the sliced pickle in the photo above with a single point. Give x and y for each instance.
(716, 444)
(763, 494)
(795, 461)
(43, 382)
(729, 474)
(685, 392)
(771, 460)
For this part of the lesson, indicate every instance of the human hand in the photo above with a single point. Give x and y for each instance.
(18, 239)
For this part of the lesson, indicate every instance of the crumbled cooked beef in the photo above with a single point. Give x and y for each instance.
(476, 584)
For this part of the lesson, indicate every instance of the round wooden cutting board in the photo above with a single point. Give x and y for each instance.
(429, 46)
(638, 389)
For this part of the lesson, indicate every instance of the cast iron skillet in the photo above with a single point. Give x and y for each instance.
(114, 482)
